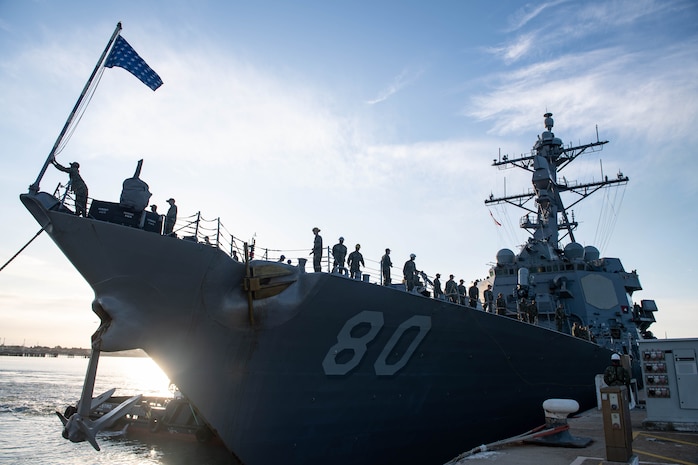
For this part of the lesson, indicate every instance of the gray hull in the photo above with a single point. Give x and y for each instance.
(330, 370)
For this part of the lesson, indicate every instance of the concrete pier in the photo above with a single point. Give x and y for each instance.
(649, 446)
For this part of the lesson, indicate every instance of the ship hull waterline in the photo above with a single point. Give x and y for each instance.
(332, 370)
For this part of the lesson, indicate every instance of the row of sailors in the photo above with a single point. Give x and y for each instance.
(455, 293)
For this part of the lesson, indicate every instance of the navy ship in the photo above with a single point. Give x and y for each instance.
(286, 366)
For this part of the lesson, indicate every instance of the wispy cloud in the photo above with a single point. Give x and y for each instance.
(624, 11)
(573, 22)
(530, 12)
(405, 78)
(639, 92)
(514, 50)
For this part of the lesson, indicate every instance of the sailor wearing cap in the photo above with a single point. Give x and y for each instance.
(77, 185)
(452, 289)
(409, 271)
(317, 250)
(171, 217)
(355, 262)
(488, 295)
(386, 264)
(438, 292)
(339, 252)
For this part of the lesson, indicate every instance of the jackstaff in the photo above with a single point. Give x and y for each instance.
(119, 53)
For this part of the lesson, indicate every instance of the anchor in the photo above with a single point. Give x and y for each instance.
(77, 425)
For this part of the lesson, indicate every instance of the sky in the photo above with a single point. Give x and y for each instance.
(373, 120)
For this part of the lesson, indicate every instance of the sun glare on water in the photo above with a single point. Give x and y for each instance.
(133, 375)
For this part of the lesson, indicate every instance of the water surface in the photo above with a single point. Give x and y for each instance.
(33, 388)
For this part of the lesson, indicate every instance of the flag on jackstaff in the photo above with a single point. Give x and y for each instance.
(124, 56)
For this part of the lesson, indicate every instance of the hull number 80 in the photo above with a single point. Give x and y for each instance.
(359, 345)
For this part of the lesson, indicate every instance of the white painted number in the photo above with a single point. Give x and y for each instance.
(417, 321)
(359, 345)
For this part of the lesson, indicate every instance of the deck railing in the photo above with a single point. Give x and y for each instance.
(197, 228)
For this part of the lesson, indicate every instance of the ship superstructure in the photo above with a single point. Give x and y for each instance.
(591, 295)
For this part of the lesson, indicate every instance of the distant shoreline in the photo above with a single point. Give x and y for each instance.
(49, 352)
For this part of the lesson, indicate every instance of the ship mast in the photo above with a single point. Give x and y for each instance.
(547, 158)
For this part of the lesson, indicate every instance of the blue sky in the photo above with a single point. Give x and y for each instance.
(377, 121)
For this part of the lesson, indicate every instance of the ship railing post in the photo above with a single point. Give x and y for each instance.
(65, 193)
(196, 228)
(248, 275)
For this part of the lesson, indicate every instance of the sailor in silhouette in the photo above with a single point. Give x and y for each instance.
(77, 185)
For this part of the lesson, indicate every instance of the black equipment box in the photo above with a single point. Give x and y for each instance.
(153, 222)
(115, 213)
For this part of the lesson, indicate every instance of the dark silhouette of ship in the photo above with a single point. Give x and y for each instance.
(298, 367)
(291, 367)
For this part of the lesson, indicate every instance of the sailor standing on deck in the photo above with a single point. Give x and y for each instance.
(532, 310)
(452, 290)
(77, 185)
(560, 317)
(501, 304)
(409, 271)
(386, 264)
(438, 293)
(339, 252)
(171, 217)
(473, 294)
(317, 250)
(488, 295)
(355, 261)
(461, 292)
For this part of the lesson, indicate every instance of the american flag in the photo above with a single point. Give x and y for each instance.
(124, 56)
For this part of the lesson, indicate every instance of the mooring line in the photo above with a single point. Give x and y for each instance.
(20, 250)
